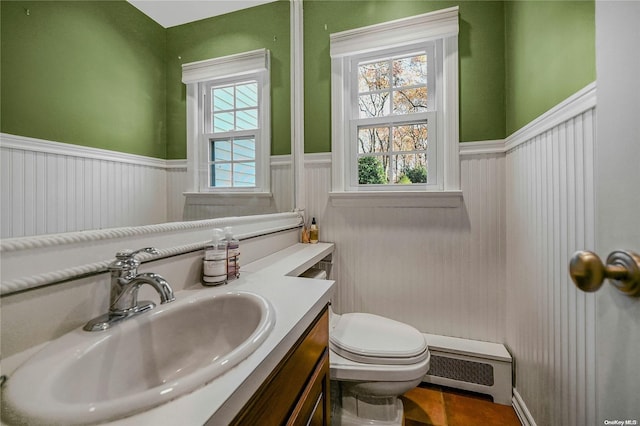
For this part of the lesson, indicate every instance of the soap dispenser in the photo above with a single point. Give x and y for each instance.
(214, 266)
(313, 232)
(233, 254)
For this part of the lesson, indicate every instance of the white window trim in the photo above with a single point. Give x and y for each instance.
(254, 63)
(439, 25)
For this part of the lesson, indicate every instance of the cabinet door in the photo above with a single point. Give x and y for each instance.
(282, 393)
(313, 406)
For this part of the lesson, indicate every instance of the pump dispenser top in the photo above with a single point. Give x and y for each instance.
(233, 254)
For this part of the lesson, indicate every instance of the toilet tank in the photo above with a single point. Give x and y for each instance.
(316, 273)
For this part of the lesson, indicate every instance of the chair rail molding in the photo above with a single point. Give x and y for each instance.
(581, 101)
(482, 147)
(31, 262)
(26, 143)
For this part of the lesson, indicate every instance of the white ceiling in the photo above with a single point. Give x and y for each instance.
(170, 13)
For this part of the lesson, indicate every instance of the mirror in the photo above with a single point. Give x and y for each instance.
(94, 114)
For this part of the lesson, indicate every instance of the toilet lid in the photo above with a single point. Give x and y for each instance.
(373, 339)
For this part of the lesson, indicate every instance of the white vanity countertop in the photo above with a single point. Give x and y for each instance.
(297, 302)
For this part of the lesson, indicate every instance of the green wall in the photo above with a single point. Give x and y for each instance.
(481, 50)
(550, 55)
(102, 74)
(265, 26)
(85, 73)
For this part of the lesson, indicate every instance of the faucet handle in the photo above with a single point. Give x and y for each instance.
(125, 260)
(126, 254)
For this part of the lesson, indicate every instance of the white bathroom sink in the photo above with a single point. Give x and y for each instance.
(88, 377)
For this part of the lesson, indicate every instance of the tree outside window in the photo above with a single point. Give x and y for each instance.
(392, 96)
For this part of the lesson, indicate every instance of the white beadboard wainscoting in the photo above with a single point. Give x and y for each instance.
(494, 269)
(49, 187)
(198, 207)
(438, 269)
(550, 215)
(176, 184)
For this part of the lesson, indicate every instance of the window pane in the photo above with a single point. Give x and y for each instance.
(234, 107)
(410, 71)
(247, 119)
(221, 175)
(222, 98)
(373, 139)
(244, 149)
(410, 138)
(223, 122)
(410, 100)
(244, 174)
(220, 151)
(247, 95)
(373, 170)
(409, 168)
(373, 76)
(374, 105)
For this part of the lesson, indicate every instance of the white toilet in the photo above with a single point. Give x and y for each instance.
(373, 360)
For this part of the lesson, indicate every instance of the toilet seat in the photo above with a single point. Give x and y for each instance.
(342, 368)
(372, 339)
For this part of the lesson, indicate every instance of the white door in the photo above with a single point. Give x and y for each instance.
(617, 182)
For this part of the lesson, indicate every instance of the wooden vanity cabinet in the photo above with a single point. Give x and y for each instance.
(297, 391)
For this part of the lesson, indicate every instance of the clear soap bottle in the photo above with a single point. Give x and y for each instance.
(233, 254)
(214, 267)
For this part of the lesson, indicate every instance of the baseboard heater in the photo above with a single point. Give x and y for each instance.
(470, 365)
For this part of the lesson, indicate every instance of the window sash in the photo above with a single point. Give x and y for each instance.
(427, 48)
(429, 117)
(208, 134)
(205, 147)
(207, 90)
(234, 173)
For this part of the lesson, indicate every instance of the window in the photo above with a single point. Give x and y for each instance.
(394, 94)
(228, 124)
(395, 120)
(231, 133)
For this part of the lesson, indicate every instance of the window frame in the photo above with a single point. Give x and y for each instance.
(207, 137)
(439, 27)
(430, 117)
(252, 65)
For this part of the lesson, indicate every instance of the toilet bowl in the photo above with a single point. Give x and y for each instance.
(373, 360)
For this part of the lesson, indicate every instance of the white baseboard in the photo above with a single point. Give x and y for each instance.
(521, 410)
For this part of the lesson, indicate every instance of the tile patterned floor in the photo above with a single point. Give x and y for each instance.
(437, 406)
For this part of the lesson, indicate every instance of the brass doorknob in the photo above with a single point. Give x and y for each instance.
(622, 268)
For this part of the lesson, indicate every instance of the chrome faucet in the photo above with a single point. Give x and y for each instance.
(125, 283)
